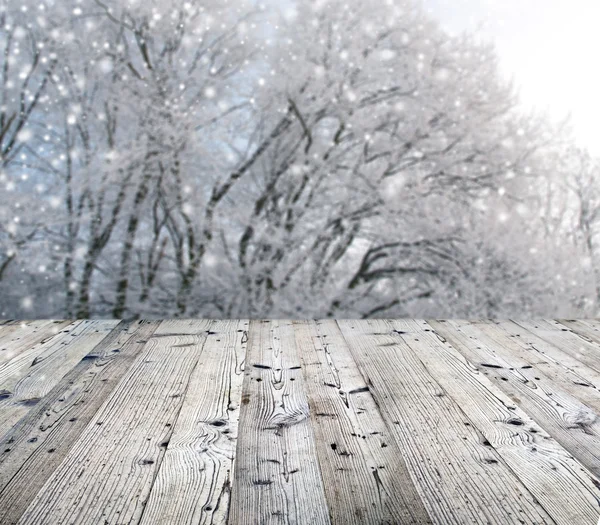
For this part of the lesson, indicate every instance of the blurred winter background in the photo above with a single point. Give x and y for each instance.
(306, 158)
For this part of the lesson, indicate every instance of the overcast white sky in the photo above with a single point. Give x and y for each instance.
(550, 47)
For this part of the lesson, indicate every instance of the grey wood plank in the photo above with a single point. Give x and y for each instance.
(36, 446)
(558, 482)
(585, 327)
(593, 323)
(13, 322)
(588, 330)
(193, 485)
(13, 332)
(534, 360)
(364, 474)
(25, 382)
(277, 473)
(107, 475)
(546, 351)
(572, 423)
(26, 337)
(586, 351)
(413, 396)
(463, 479)
(178, 327)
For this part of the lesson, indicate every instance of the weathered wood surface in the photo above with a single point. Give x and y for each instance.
(443, 443)
(194, 481)
(300, 422)
(365, 475)
(56, 423)
(278, 479)
(24, 382)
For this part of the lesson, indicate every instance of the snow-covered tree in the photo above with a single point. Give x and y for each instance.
(313, 158)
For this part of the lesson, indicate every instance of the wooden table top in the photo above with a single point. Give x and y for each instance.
(299, 422)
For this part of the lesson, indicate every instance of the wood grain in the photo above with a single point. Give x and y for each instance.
(193, 485)
(27, 385)
(364, 474)
(565, 418)
(544, 467)
(277, 473)
(20, 343)
(279, 422)
(593, 324)
(447, 454)
(545, 350)
(582, 349)
(587, 328)
(57, 421)
(108, 474)
(543, 359)
(18, 336)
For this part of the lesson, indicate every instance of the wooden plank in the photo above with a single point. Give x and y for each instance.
(594, 324)
(277, 473)
(178, 327)
(461, 477)
(560, 484)
(11, 333)
(108, 474)
(25, 337)
(7, 324)
(193, 485)
(54, 359)
(56, 422)
(587, 329)
(585, 351)
(27, 351)
(557, 367)
(12, 322)
(364, 474)
(573, 424)
(545, 351)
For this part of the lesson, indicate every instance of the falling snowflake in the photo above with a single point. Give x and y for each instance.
(25, 135)
(27, 303)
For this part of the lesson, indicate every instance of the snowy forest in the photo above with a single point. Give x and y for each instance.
(308, 158)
